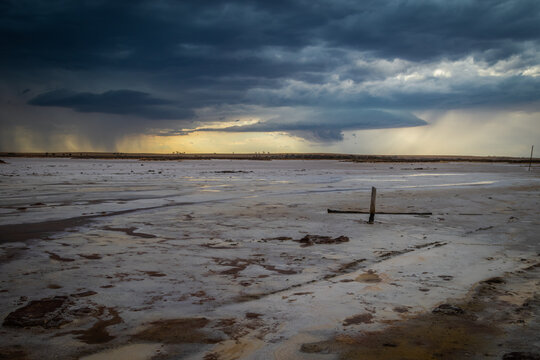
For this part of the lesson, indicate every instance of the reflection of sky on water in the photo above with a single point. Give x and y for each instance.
(450, 185)
(432, 174)
(109, 186)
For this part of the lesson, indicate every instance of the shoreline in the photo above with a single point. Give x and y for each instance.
(274, 156)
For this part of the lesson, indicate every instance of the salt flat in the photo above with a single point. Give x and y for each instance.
(229, 259)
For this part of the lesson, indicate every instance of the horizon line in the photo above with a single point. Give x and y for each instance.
(266, 156)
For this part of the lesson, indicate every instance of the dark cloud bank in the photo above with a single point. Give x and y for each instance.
(124, 102)
(348, 65)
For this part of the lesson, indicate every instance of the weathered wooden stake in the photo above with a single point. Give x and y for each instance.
(331, 211)
(530, 161)
(372, 205)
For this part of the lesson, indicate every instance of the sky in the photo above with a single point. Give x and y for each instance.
(418, 77)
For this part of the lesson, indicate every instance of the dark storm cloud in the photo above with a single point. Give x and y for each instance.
(511, 92)
(327, 125)
(267, 54)
(123, 102)
(145, 34)
(420, 30)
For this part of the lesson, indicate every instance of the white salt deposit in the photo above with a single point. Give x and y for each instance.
(216, 239)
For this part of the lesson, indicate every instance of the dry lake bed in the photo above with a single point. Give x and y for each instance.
(232, 259)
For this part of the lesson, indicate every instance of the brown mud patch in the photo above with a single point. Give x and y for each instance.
(521, 355)
(237, 328)
(11, 253)
(178, 331)
(232, 172)
(235, 349)
(237, 265)
(23, 232)
(60, 311)
(57, 257)
(15, 352)
(202, 296)
(279, 271)
(446, 277)
(130, 231)
(448, 309)
(370, 277)
(310, 240)
(495, 280)
(278, 238)
(480, 326)
(220, 246)
(349, 267)
(84, 294)
(98, 333)
(90, 256)
(47, 313)
(245, 337)
(358, 319)
(424, 338)
(154, 273)
(401, 309)
(386, 254)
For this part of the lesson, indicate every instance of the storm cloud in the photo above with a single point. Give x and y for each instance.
(170, 67)
(123, 102)
(327, 125)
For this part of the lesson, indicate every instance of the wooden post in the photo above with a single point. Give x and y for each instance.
(530, 161)
(372, 205)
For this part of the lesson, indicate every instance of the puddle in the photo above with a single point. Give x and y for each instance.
(128, 352)
(476, 183)
(437, 174)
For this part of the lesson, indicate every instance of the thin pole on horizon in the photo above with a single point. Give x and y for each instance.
(530, 160)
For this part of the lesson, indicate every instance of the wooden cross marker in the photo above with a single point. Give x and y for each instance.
(372, 205)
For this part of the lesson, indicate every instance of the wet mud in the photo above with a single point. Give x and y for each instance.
(391, 253)
(368, 277)
(23, 232)
(358, 319)
(84, 294)
(178, 331)
(98, 333)
(154, 273)
(41, 230)
(57, 257)
(46, 313)
(481, 326)
(10, 254)
(238, 265)
(310, 240)
(130, 231)
(91, 256)
(15, 352)
(61, 311)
